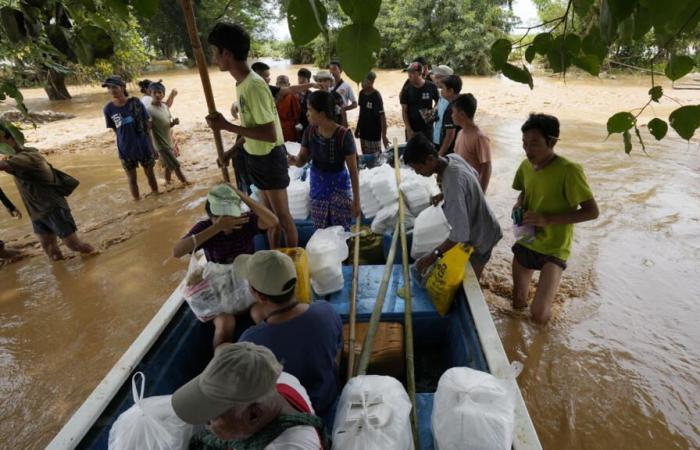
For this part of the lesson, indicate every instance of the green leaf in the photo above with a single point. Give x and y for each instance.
(303, 26)
(361, 11)
(12, 22)
(627, 139)
(620, 122)
(58, 37)
(83, 51)
(14, 131)
(589, 63)
(685, 120)
(146, 8)
(608, 23)
(639, 137)
(499, 53)
(582, 7)
(678, 67)
(356, 46)
(642, 22)
(658, 128)
(656, 93)
(100, 41)
(621, 9)
(542, 43)
(530, 53)
(119, 7)
(558, 58)
(626, 30)
(517, 74)
(6, 150)
(593, 44)
(573, 44)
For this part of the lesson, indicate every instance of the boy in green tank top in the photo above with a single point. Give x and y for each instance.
(554, 195)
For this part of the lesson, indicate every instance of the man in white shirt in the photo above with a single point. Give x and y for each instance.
(344, 89)
(246, 400)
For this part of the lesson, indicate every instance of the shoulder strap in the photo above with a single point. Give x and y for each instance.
(340, 137)
(293, 397)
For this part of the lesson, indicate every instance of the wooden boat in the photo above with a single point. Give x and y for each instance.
(174, 347)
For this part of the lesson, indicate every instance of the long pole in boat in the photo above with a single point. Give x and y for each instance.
(353, 296)
(408, 305)
(204, 76)
(367, 345)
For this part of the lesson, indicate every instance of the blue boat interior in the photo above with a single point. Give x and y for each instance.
(184, 348)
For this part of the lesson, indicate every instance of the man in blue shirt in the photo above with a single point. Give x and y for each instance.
(305, 338)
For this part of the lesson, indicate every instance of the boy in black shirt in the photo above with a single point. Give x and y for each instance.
(450, 87)
(418, 98)
(371, 126)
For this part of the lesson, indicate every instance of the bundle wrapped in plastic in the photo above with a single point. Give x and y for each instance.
(373, 414)
(383, 185)
(474, 409)
(368, 202)
(430, 230)
(298, 199)
(415, 193)
(327, 249)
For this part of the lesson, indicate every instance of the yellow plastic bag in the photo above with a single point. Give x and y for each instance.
(446, 277)
(302, 292)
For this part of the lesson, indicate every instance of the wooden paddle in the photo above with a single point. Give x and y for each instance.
(204, 76)
(408, 303)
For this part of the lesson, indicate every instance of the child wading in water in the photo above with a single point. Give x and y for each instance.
(162, 122)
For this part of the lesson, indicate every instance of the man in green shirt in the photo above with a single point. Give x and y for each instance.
(264, 151)
(554, 195)
(161, 123)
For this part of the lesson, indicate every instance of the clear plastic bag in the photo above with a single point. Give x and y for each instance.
(373, 414)
(474, 410)
(150, 424)
(199, 292)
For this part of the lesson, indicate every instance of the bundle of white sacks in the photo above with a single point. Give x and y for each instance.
(298, 198)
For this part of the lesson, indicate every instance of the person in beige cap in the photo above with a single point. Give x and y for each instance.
(246, 401)
(227, 233)
(437, 75)
(306, 338)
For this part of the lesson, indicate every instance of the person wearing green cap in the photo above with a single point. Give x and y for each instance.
(47, 207)
(247, 401)
(227, 233)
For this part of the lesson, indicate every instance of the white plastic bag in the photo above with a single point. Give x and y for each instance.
(429, 230)
(373, 414)
(473, 410)
(199, 292)
(327, 250)
(150, 424)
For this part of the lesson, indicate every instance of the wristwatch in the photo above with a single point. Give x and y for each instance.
(437, 253)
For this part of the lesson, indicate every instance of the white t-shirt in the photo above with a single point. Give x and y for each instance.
(301, 437)
(146, 100)
(345, 91)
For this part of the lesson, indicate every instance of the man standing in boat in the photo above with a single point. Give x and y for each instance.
(246, 401)
(554, 195)
(465, 208)
(264, 152)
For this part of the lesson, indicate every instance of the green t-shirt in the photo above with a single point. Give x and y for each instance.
(557, 189)
(257, 107)
(160, 122)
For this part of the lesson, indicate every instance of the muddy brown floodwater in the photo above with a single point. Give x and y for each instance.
(617, 368)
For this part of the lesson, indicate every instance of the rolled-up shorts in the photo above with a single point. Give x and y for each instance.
(370, 147)
(131, 164)
(533, 260)
(58, 221)
(268, 172)
(168, 159)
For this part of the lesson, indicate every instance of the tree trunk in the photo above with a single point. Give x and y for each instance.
(55, 86)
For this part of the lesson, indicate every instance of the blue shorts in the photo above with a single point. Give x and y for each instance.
(58, 221)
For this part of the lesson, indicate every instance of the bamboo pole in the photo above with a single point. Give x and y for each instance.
(353, 296)
(204, 76)
(408, 305)
(363, 361)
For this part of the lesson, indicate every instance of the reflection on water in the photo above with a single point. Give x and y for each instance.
(616, 368)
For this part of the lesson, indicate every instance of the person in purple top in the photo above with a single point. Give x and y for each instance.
(226, 234)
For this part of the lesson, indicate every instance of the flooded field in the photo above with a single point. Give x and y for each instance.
(616, 368)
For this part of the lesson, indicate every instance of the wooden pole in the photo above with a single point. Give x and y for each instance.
(204, 76)
(408, 305)
(353, 297)
(363, 362)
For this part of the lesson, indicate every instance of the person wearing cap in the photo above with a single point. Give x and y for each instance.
(247, 401)
(436, 76)
(263, 150)
(335, 191)
(227, 233)
(306, 338)
(161, 126)
(6, 253)
(325, 82)
(47, 207)
(130, 121)
(371, 125)
(418, 98)
(344, 89)
(450, 87)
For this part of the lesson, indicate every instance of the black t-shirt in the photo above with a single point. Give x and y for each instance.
(369, 126)
(420, 103)
(329, 155)
(447, 125)
(274, 90)
(303, 118)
